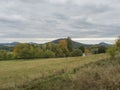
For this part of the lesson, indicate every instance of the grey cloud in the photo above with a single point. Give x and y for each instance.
(62, 18)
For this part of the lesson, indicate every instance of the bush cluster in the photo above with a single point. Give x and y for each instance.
(114, 49)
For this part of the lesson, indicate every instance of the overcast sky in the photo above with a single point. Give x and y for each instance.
(35, 20)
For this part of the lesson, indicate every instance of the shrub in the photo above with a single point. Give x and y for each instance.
(112, 51)
(76, 52)
(102, 49)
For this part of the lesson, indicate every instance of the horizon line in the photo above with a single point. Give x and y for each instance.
(44, 40)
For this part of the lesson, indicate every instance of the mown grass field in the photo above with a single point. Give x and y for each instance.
(73, 73)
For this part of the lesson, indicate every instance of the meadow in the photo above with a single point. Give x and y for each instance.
(94, 72)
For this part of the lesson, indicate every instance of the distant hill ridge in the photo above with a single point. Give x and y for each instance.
(75, 44)
(9, 44)
(104, 44)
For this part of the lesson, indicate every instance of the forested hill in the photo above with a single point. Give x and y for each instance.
(75, 44)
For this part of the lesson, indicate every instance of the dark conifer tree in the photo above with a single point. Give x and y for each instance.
(69, 44)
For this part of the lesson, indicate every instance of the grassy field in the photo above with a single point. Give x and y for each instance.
(72, 73)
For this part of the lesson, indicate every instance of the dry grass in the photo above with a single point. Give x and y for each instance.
(17, 73)
(99, 75)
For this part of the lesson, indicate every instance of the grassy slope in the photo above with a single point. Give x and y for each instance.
(99, 75)
(43, 74)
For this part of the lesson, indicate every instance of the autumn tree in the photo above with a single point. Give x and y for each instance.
(63, 47)
(23, 51)
(63, 43)
(87, 51)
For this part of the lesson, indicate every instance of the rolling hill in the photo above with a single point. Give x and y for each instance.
(75, 44)
(104, 44)
(9, 44)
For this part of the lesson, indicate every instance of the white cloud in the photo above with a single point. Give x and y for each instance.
(14, 17)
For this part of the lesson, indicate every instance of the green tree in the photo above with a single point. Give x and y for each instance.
(59, 51)
(82, 48)
(49, 46)
(36, 51)
(48, 54)
(44, 47)
(69, 44)
(102, 49)
(76, 52)
(115, 49)
(118, 44)
(5, 55)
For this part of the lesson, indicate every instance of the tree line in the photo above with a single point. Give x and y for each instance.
(64, 48)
